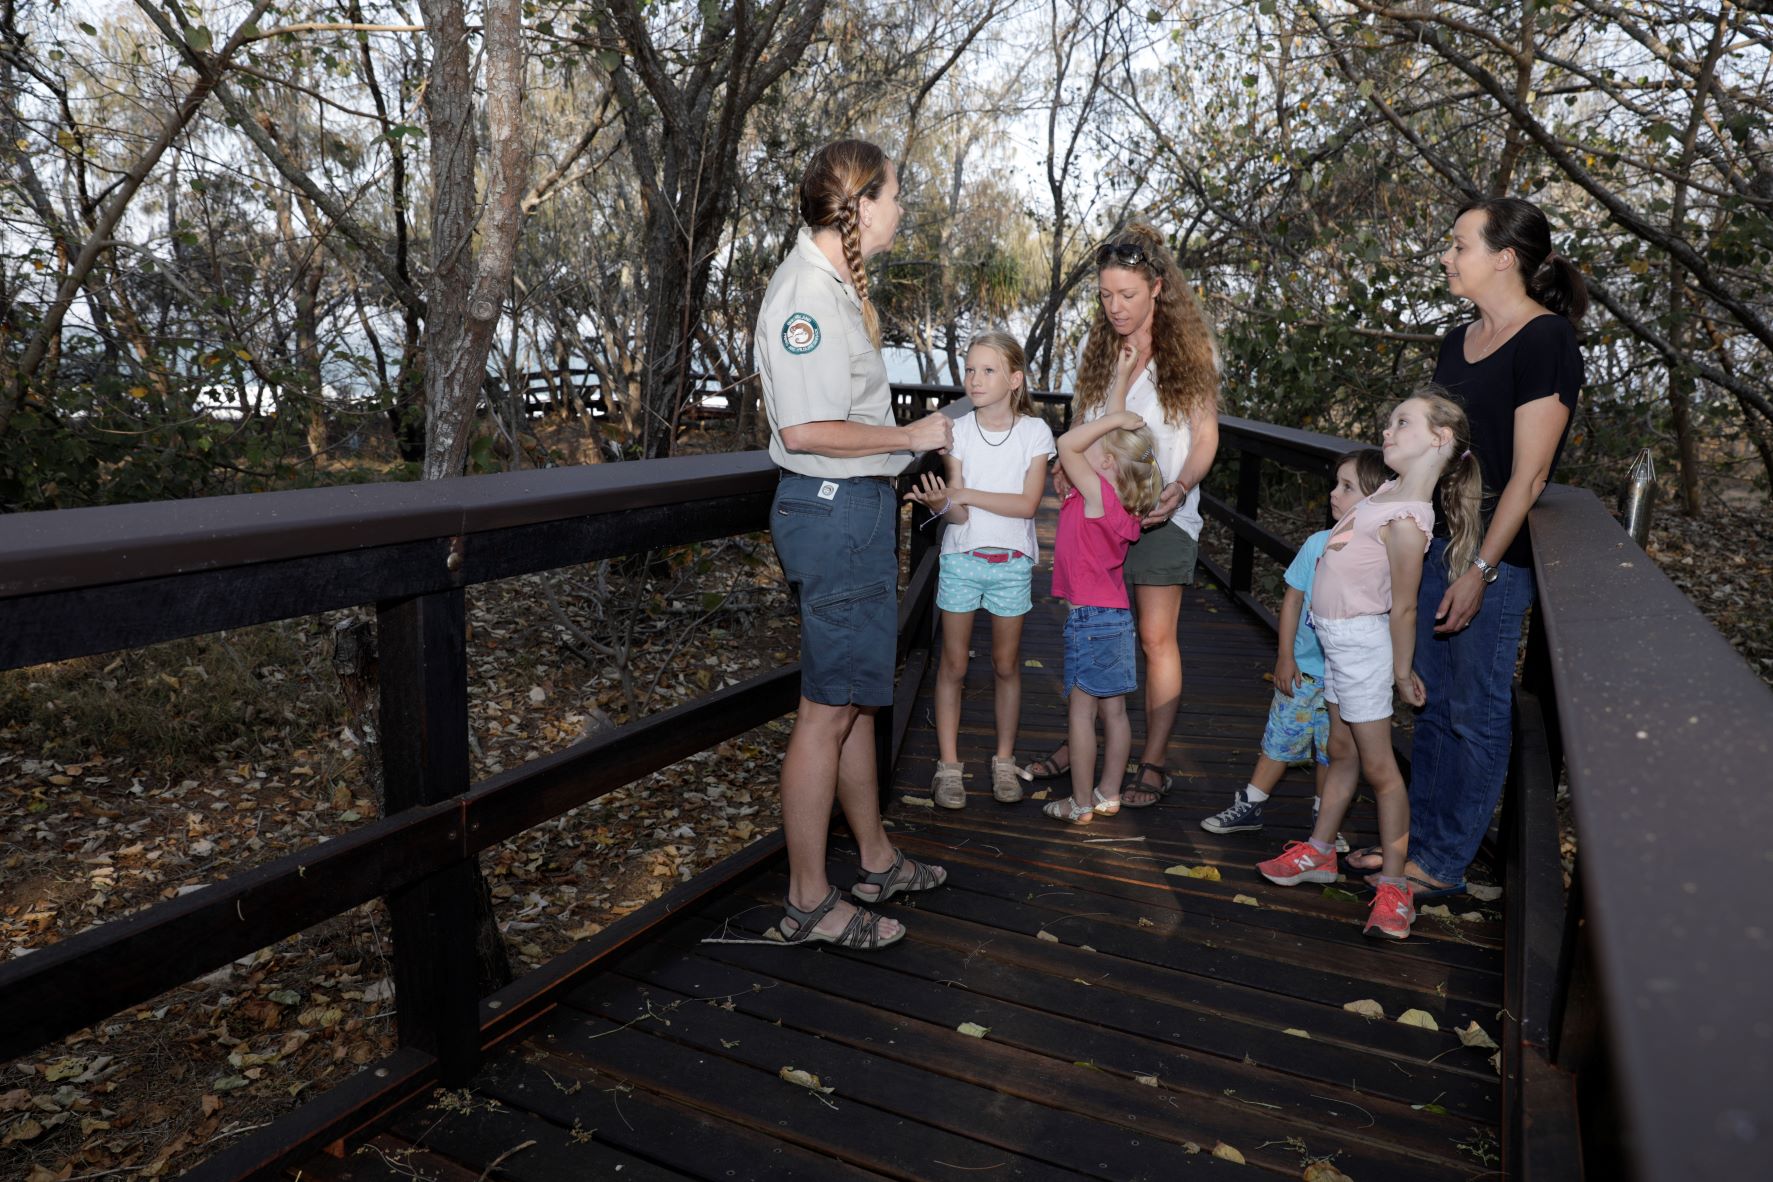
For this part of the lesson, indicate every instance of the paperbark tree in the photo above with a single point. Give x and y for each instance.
(469, 282)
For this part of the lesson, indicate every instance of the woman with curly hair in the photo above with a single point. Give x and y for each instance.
(1145, 304)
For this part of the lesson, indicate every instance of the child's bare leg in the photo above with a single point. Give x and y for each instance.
(1117, 744)
(1323, 773)
(1082, 732)
(1267, 774)
(1373, 739)
(1006, 666)
(957, 632)
(1339, 782)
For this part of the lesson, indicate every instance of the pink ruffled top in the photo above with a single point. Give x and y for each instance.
(1354, 575)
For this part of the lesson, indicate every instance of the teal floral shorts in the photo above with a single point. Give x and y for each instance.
(1298, 724)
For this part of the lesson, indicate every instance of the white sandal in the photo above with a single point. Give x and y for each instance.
(1105, 807)
(1067, 809)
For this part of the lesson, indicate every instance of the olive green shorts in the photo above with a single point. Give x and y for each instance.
(1163, 557)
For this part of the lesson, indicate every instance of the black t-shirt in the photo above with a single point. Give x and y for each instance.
(1541, 359)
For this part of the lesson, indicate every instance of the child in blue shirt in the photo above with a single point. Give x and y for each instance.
(1298, 721)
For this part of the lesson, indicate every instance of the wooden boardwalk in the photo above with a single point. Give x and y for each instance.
(1136, 1019)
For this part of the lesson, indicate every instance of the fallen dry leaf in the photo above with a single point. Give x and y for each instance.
(1296, 1032)
(1204, 873)
(1227, 1153)
(1420, 1018)
(1323, 1171)
(1149, 1081)
(1441, 910)
(1475, 1036)
(805, 1079)
(1366, 1007)
(1483, 892)
(1246, 900)
(973, 1029)
(1047, 936)
(919, 802)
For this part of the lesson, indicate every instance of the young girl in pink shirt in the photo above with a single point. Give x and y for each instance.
(1364, 610)
(1115, 481)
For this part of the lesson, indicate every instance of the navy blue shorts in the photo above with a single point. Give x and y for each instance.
(1099, 652)
(837, 551)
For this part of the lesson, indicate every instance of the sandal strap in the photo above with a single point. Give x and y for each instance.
(880, 880)
(862, 932)
(806, 921)
(1163, 780)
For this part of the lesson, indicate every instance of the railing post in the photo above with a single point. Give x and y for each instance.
(1249, 498)
(424, 694)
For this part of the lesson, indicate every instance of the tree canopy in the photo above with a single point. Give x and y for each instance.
(246, 243)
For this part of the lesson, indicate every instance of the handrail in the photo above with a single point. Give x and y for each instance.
(1667, 740)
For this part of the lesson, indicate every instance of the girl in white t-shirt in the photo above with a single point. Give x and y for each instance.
(996, 473)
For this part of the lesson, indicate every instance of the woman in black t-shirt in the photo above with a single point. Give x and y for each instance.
(1517, 371)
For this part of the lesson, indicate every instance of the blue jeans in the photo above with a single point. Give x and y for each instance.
(1460, 754)
(1100, 654)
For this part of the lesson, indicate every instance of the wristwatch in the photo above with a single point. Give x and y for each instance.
(1489, 573)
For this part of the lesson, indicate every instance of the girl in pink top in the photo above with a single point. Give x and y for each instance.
(1115, 481)
(1364, 610)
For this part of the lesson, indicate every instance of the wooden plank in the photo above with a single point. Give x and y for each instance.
(1040, 1057)
(755, 1099)
(1185, 1001)
(473, 1132)
(569, 1093)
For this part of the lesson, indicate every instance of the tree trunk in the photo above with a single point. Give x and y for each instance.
(467, 286)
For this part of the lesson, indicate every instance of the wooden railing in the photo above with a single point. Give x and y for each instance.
(87, 581)
(1637, 1027)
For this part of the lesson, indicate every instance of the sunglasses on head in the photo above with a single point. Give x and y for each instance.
(1129, 254)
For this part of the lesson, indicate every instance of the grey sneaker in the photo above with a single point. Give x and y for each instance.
(946, 786)
(1006, 780)
(1244, 816)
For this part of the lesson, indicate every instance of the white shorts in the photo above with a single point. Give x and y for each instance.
(1357, 666)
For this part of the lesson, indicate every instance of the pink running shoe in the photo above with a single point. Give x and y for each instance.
(1394, 910)
(1298, 863)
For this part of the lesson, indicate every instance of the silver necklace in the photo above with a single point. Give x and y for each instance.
(980, 428)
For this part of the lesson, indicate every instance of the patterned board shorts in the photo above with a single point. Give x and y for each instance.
(1298, 724)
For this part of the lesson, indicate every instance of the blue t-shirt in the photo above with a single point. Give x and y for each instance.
(1300, 574)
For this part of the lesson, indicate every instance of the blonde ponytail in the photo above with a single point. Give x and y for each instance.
(1460, 489)
(839, 175)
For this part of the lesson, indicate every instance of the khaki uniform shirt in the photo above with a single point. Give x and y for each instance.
(818, 365)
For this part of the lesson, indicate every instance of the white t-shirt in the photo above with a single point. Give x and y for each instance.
(993, 462)
(1173, 442)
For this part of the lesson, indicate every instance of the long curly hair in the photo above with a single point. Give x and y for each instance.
(1181, 341)
(839, 175)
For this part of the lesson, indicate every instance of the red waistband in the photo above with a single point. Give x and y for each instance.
(997, 555)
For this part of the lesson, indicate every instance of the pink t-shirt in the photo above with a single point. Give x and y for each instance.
(1354, 575)
(1089, 552)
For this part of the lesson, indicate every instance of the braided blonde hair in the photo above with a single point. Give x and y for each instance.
(838, 177)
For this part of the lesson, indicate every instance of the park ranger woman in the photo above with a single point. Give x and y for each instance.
(834, 520)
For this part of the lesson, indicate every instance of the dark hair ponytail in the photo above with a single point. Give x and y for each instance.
(1511, 223)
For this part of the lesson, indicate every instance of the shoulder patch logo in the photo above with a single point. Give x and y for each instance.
(800, 334)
